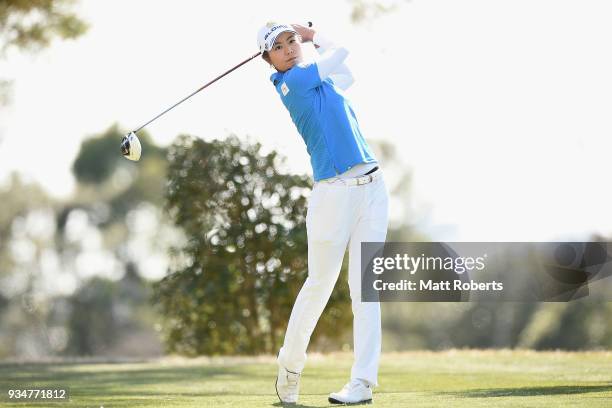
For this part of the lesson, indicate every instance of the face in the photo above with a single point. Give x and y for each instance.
(286, 51)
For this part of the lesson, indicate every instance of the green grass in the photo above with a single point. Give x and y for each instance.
(455, 378)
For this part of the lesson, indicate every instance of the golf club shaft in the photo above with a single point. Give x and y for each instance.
(198, 90)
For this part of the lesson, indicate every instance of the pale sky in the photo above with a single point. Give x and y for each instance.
(501, 109)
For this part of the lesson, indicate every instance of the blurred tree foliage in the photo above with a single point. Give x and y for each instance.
(111, 191)
(41, 237)
(366, 10)
(17, 200)
(89, 335)
(22, 245)
(32, 25)
(109, 186)
(99, 156)
(578, 325)
(235, 274)
(246, 254)
(102, 311)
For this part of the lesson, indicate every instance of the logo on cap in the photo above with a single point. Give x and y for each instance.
(274, 29)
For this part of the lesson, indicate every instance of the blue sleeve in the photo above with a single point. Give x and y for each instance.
(301, 78)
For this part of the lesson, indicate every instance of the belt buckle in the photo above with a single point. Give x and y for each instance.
(364, 180)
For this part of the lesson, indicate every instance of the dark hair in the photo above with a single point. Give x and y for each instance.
(265, 56)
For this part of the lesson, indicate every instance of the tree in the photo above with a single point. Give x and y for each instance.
(104, 313)
(25, 236)
(365, 10)
(32, 25)
(245, 256)
(105, 177)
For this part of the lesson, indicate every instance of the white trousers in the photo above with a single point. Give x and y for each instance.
(339, 215)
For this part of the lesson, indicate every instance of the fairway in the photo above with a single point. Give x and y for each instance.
(454, 378)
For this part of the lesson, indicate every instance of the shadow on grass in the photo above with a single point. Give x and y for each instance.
(153, 381)
(123, 385)
(280, 404)
(530, 391)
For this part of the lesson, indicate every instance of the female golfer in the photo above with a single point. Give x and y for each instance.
(348, 203)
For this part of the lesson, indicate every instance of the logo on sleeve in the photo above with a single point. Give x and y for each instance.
(284, 89)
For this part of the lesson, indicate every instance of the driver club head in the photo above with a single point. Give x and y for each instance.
(130, 147)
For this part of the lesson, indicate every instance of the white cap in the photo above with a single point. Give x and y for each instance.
(268, 33)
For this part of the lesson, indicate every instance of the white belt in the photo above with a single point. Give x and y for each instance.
(355, 181)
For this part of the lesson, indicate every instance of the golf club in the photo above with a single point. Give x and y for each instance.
(130, 145)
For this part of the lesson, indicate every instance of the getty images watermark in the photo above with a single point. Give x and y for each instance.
(485, 271)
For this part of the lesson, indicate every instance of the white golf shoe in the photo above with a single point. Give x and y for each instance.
(355, 392)
(287, 386)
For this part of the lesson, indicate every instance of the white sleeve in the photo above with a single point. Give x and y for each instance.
(331, 62)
